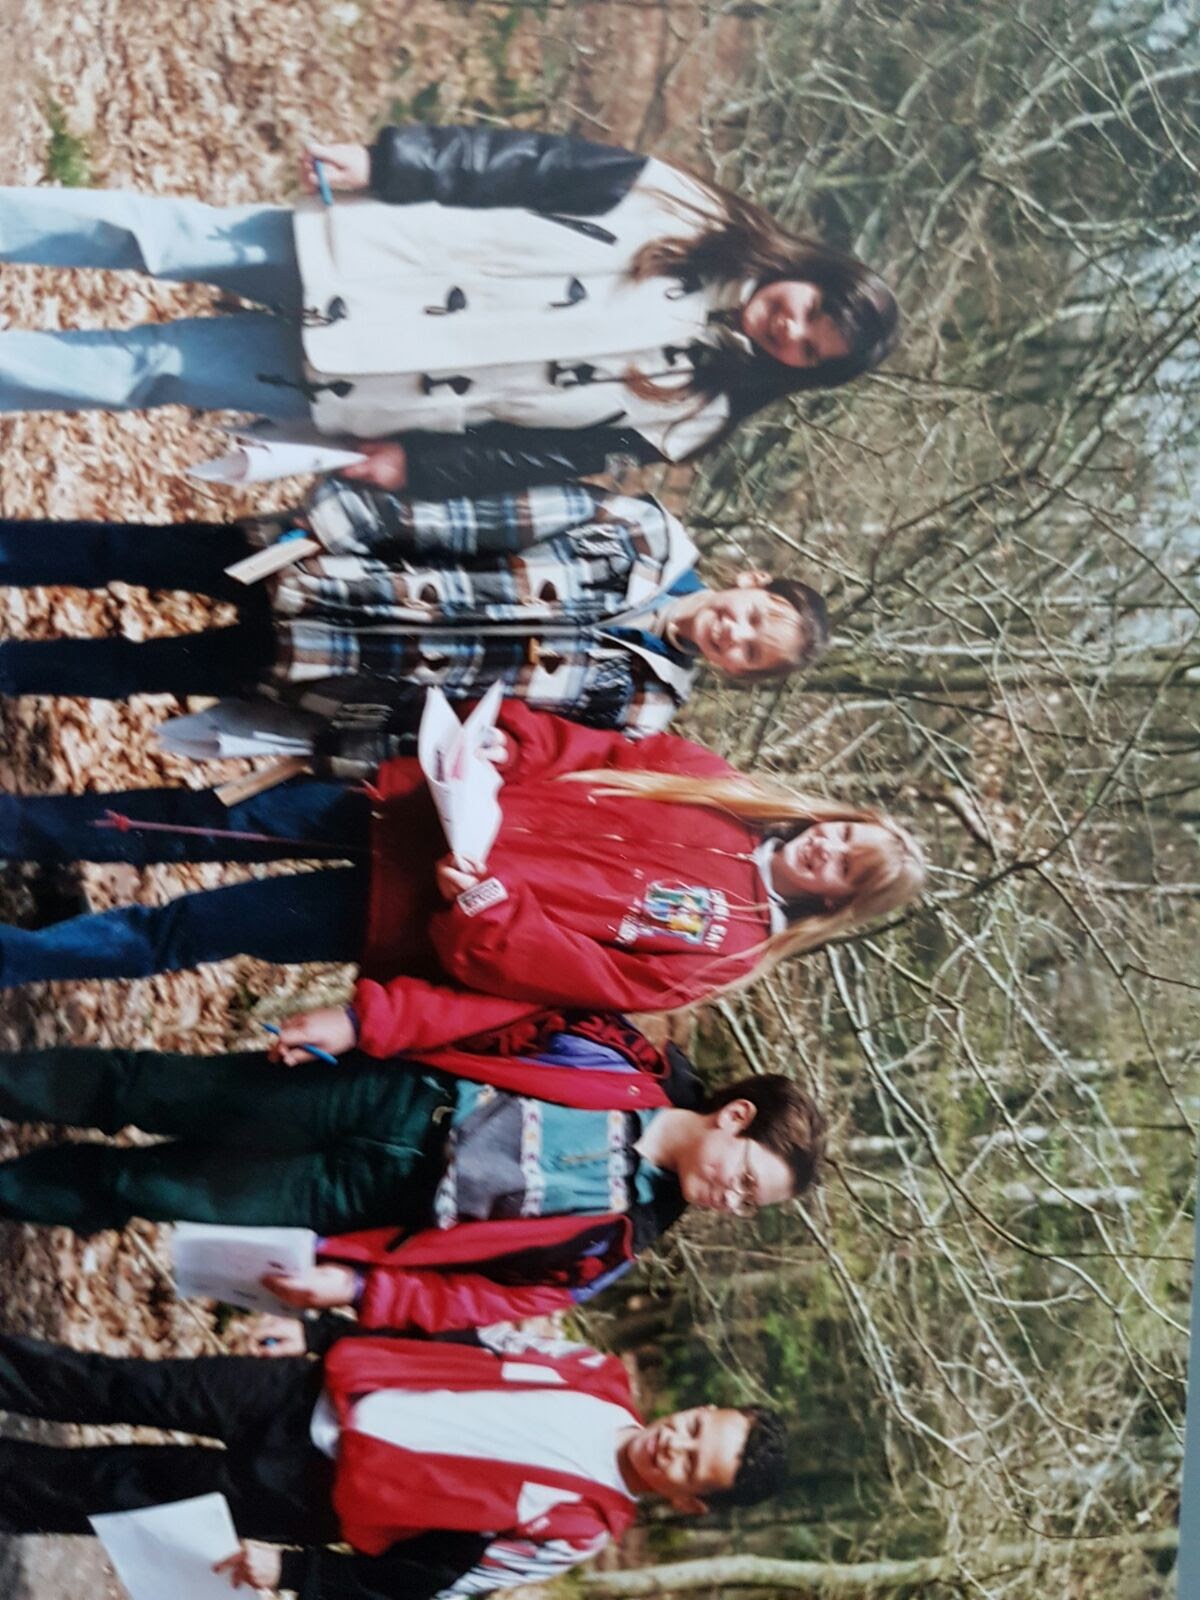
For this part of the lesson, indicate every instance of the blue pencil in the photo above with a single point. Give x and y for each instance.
(313, 1050)
(323, 188)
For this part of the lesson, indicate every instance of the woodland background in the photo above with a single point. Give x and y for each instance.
(978, 1328)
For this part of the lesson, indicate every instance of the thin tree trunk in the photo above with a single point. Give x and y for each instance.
(826, 1579)
(1150, 670)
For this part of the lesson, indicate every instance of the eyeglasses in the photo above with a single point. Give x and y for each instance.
(743, 1191)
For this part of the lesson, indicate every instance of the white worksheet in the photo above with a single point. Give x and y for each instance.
(169, 1551)
(464, 784)
(257, 460)
(215, 1261)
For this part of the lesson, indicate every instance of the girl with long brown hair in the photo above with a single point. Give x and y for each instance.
(482, 308)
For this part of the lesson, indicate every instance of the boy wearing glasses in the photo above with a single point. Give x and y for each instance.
(507, 1177)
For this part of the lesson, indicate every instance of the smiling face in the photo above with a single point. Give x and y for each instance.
(827, 861)
(786, 320)
(687, 1455)
(719, 1170)
(746, 630)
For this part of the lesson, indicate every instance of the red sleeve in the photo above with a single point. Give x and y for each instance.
(395, 1297)
(544, 746)
(411, 1014)
(512, 948)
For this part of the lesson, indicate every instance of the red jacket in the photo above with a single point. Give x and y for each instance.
(457, 1277)
(605, 901)
(508, 1058)
(477, 1273)
(383, 1493)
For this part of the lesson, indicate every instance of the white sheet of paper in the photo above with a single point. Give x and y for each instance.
(169, 1550)
(464, 784)
(218, 1262)
(262, 460)
(239, 728)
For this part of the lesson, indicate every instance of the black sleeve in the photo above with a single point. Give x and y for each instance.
(416, 1569)
(500, 455)
(500, 167)
(368, 729)
(323, 1331)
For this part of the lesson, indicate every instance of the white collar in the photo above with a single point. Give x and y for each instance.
(776, 904)
(728, 295)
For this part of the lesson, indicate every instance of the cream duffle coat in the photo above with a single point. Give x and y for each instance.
(441, 318)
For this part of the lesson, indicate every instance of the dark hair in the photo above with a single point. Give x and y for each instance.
(740, 240)
(809, 605)
(762, 1470)
(787, 1122)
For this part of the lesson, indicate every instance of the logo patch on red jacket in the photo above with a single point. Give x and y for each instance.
(482, 896)
(692, 913)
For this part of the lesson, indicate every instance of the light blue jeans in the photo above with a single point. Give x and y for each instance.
(212, 363)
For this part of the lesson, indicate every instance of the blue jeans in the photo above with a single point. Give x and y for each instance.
(307, 916)
(190, 556)
(249, 361)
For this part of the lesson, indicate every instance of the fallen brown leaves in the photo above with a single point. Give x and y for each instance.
(213, 101)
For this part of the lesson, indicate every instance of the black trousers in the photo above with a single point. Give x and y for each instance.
(278, 1485)
(187, 555)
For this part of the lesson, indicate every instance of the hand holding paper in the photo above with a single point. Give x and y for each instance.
(453, 880)
(259, 1565)
(316, 1289)
(178, 1549)
(222, 1262)
(458, 760)
(383, 463)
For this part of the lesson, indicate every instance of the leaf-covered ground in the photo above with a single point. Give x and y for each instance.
(215, 101)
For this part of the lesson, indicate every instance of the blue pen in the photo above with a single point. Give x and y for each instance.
(313, 1050)
(323, 188)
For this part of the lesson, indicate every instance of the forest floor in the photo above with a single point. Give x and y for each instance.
(215, 101)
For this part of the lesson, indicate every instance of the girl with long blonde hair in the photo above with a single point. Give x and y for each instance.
(640, 875)
(878, 864)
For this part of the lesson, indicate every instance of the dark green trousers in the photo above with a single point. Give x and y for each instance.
(358, 1145)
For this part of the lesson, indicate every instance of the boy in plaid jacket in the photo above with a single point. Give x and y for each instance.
(582, 602)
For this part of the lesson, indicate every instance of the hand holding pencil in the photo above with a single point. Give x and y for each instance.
(329, 168)
(324, 1034)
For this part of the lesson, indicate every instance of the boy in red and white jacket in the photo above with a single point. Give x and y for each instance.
(450, 1469)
